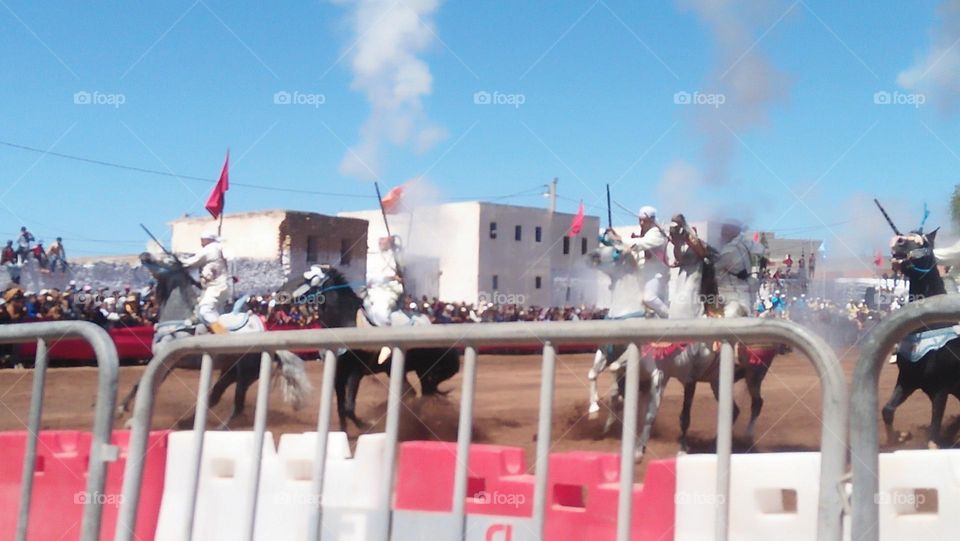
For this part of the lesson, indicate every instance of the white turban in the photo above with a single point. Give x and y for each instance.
(648, 212)
(209, 235)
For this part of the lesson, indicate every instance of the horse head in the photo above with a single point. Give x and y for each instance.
(171, 276)
(912, 254)
(610, 257)
(323, 286)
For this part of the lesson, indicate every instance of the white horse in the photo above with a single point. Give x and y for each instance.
(624, 268)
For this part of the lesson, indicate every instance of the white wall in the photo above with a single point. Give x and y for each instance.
(253, 235)
(444, 234)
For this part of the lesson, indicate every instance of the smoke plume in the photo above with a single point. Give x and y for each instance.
(742, 75)
(937, 73)
(388, 37)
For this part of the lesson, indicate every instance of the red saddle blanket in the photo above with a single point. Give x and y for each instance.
(758, 355)
(661, 351)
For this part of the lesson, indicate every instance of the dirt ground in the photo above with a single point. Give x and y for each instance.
(505, 411)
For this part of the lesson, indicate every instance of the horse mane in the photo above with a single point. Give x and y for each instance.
(339, 281)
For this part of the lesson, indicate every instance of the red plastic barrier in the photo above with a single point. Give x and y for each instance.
(425, 471)
(132, 343)
(59, 485)
(653, 505)
(574, 478)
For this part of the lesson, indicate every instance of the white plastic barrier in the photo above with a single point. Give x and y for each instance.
(772, 496)
(919, 495)
(225, 485)
(351, 487)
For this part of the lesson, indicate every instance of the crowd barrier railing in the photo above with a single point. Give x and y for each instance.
(548, 335)
(865, 406)
(101, 451)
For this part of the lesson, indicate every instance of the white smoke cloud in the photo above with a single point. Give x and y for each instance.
(748, 82)
(389, 36)
(937, 73)
(679, 188)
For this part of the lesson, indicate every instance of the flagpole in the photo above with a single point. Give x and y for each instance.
(386, 225)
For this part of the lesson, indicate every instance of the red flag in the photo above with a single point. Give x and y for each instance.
(756, 236)
(215, 201)
(878, 259)
(391, 201)
(577, 224)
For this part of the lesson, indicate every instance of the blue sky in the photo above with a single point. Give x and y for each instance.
(597, 81)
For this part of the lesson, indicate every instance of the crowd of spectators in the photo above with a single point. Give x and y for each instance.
(26, 252)
(131, 307)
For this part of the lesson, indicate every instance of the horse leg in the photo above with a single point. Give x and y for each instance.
(340, 387)
(715, 387)
(939, 403)
(754, 380)
(599, 364)
(688, 391)
(243, 382)
(227, 377)
(658, 381)
(125, 405)
(900, 394)
(350, 401)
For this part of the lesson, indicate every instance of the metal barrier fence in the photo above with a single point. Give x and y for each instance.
(864, 403)
(631, 332)
(101, 451)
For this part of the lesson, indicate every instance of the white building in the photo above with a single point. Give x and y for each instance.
(476, 251)
(264, 248)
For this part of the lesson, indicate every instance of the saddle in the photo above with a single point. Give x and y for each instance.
(915, 346)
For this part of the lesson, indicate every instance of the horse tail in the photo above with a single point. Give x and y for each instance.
(294, 384)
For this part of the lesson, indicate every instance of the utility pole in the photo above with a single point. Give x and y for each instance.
(552, 194)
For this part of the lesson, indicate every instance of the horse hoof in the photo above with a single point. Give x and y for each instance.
(932, 445)
(593, 410)
(638, 456)
(128, 424)
(904, 437)
(682, 452)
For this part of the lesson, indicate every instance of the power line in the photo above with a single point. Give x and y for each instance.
(175, 175)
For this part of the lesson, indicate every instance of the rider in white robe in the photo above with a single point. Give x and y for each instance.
(688, 252)
(384, 287)
(653, 244)
(213, 279)
(950, 256)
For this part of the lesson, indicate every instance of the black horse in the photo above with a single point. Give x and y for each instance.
(177, 298)
(338, 306)
(937, 373)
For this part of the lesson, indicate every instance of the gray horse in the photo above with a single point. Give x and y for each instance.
(177, 298)
(690, 364)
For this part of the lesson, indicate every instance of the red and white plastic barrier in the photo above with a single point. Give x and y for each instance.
(60, 482)
(582, 495)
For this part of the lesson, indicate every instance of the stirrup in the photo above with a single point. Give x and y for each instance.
(217, 328)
